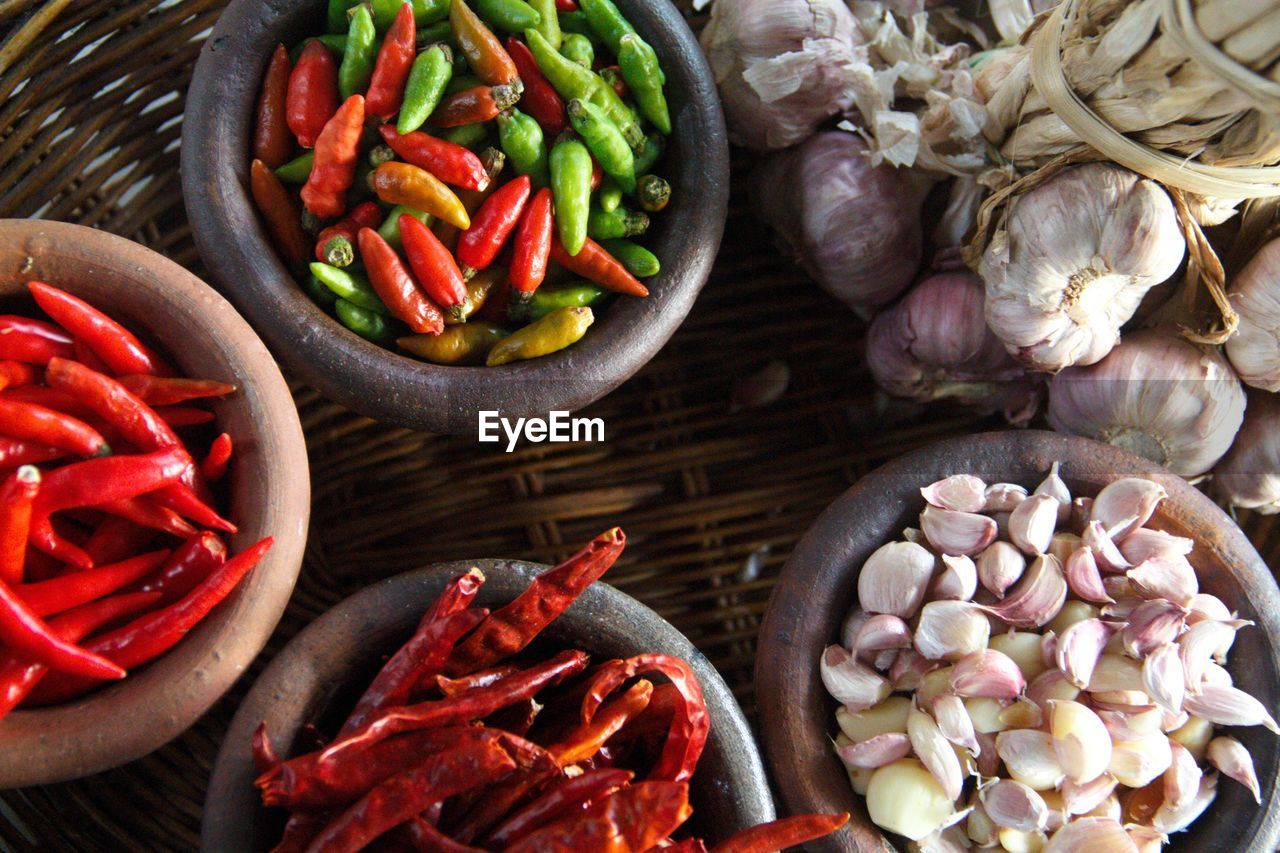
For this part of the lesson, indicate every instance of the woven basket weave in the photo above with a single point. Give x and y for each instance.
(91, 98)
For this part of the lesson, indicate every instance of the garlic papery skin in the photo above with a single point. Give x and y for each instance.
(949, 630)
(957, 533)
(1032, 523)
(1152, 624)
(1013, 805)
(905, 798)
(1073, 261)
(1082, 799)
(1037, 598)
(1228, 706)
(1081, 741)
(894, 578)
(1182, 779)
(958, 580)
(1126, 504)
(1171, 578)
(1249, 475)
(876, 752)
(1080, 647)
(1164, 679)
(1157, 395)
(960, 492)
(1095, 834)
(1254, 349)
(881, 633)
(954, 722)
(1000, 565)
(1029, 756)
(1145, 543)
(1230, 757)
(853, 685)
(1004, 497)
(935, 752)
(1083, 577)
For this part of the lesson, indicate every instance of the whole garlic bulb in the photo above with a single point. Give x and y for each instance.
(1249, 475)
(1254, 349)
(1072, 263)
(782, 66)
(1156, 394)
(854, 227)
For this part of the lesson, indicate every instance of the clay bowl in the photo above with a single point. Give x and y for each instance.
(819, 584)
(269, 495)
(379, 382)
(319, 675)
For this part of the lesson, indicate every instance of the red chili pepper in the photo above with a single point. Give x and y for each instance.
(781, 834)
(566, 5)
(428, 839)
(533, 245)
(511, 628)
(17, 496)
(299, 829)
(184, 416)
(50, 398)
(214, 466)
(172, 391)
(116, 538)
(433, 266)
(540, 98)
(483, 678)
(14, 374)
(312, 98)
(689, 845)
(632, 818)
(612, 75)
(46, 598)
(484, 53)
(334, 169)
(182, 500)
(133, 419)
(31, 422)
(396, 287)
(265, 756)
(391, 71)
(24, 633)
(597, 174)
(110, 341)
(15, 452)
(474, 105)
(187, 567)
(337, 242)
(597, 265)
(587, 738)
(272, 142)
(88, 358)
(144, 512)
(448, 161)
(279, 212)
(492, 225)
(32, 341)
(566, 798)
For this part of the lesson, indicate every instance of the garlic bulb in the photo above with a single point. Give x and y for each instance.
(782, 66)
(1249, 475)
(1254, 349)
(1156, 394)
(935, 345)
(1071, 264)
(854, 227)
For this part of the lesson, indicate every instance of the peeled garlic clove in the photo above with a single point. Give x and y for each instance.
(1115, 672)
(1199, 645)
(1012, 805)
(909, 669)
(1125, 726)
(894, 578)
(1169, 820)
(959, 492)
(1063, 545)
(1029, 756)
(1228, 706)
(1195, 735)
(1054, 487)
(905, 798)
(1104, 548)
(987, 673)
(957, 533)
(1095, 834)
(1024, 648)
(949, 630)
(1125, 505)
(933, 685)
(1182, 779)
(877, 751)
(880, 632)
(852, 684)
(1171, 578)
(1229, 756)
(1152, 624)
(1004, 497)
(889, 716)
(1000, 565)
(979, 827)
(1022, 713)
(1084, 798)
(935, 752)
(958, 580)
(954, 722)
(1032, 523)
(1083, 577)
(1072, 612)
(1164, 679)
(985, 714)
(1145, 543)
(1080, 647)
(1051, 685)
(1017, 841)
(1081, 741)
(1037, 598)
(1137, 763)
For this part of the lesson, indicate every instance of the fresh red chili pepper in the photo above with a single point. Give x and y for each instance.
(40, 566)
(391, 72)
(492, 225)
(566, 5)
(110, 341)
(367, 214)
(17, 495)
(312, 97)
(189, 564)
(395, 285)
(214, 466)
(566, 798)
(27, 635)
(597, 265)
(334, 169)
(480, 46)
(272, 141)
(428, 839)
(540, 98)
(265, 756)
(133, 419)
(632, 818)
(46, 598)
(781, 834)
(116, 538)
(448, 161)
(31, 422)
(184, 416)
(182, 500)
(143, 511)
(483, 678)
(433, 265)
(279, 212)
(15, 373)
(89, 358)
(50, 398)
(493, 160)
(586, 739)
(533, 245)
(474, 105)
(173, 391)
(15, 452)
(511, 628)
(32, 341)
(597, 174)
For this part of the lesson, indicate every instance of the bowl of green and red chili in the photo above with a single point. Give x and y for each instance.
(442, 209)
(153, 500)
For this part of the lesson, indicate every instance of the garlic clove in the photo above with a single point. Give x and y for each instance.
(1004, 497)
(1125, 505)
(1228, 706)
(1120, 587)
(889, 716)
(851, 624)
(987, 673)
(1230, 757)
(1172, 722)
(894, 578)
(1022, 713)
(880, 633)
(1049, 686)
(1204, 606)
(935, 752)
(959, 492)
(852, 684)
(1080, 647)
(1057, 811)
(933, 685)
(1105, 550)
(951, 839)
(877, 751)
(1017, 841)
(1037, 598)
(957, 533)
(979, 827)
(1152, 624)
(1164, 679)
(1081, 741)
(1012, 805)
(999, 566)
(1083, 577)
(949, 630)
(1084, 798)
(1063, 545)
(1095, 834)
(1195, 735)
(909, 669)
(1131, 726)
(1032, 523)
(1029, 756)
(1147, 839)
(1145, 543)
(1072, 612)
(859, 778)
(985, 714)
(1169, 820)
(914, 536)
(1182, 779)
(1171, 578)
(989, 760)
(954, 722)
(1137, 763)
(958, 580)
(1023, 647)
(1054, 487)
(1201, 644)
(1114, 672)
(905, 798)
(1048, 648)
(1110, 808)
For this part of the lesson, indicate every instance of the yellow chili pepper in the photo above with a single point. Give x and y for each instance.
(479, 287)
(468, 343)
(404, 183)
(554, 332)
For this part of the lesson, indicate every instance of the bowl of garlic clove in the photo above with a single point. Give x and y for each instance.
(1039, 642)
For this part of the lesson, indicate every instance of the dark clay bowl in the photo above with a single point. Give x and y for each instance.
(819, 584)
(381, 383)
(343, 649)
(269, 495)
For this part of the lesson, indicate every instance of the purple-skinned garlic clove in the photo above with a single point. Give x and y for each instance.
(1201, 644)
(1079, 648)
(949, 630)
(955, 723)
(1152, 624)
(1230, 757)
(1032, 524)
(1164, 679)
(1094, 834)
(1004, 497)
(1169, 820)
(849, 682)
(935, 752)
(987, 673)
(1165, 577)
(1083, 577)
(957, 533)
(999, 567)
(1030, 758)
(1181, 781)
(1084, 798)
(1145, 543)
(958, 580)
(880, 633)
(851, 624)
(1054, 486)
(1038, 596)
(1127, 504)
(1013, 805)
(909, 669)
(1105, 551)
(876, 751)
(1228, 706)
(894, 578)
(959, 492)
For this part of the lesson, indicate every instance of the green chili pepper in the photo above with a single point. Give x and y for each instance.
(560, 328)
(514, 16)
(441, 31)
(576, 22)
(522, 141)
(318, 292)
(605, 141)
(336, 19)
(549, 297)
(365, 323)
(653, 193)
(572, 81)
(610, 195)
(468, 343)
(390, 227)
(297, 170)
(620, 222)
(649, 153)
(349, 285)
(550, 24)
(471, 136)
(464, 81)
(607, 21)
(360, 55)
(578, 48)
(641, 71)
(425, 12)
(428, 79)
(570, 165)
(638, 260)
(336, 44)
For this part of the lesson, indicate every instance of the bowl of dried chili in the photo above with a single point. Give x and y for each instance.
(168, 545)
(386, 332)
(505, 696)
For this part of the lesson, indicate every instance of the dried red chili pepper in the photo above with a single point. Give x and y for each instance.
(17, 496)
(189, 564)
(279, 212)
(597, 265)
(110, 341)
(511, 628)
(32, 422)
(474, 105)
(56, 595)
(265, 756)
(391, 72)
(587, 739)
(486, 807)
(632, 818)
(334, 169)
(15, 452)
(689, 845)
(448, 161)
(300, 829)
(312, 97)
(481, 47)
(335, 245)
(433, 265)
(116, 538)
(173, 391)
(665, 703)
(781, 834)
(272, 141)
(533, 245)
(24, 633)
(492, 225)
(214, 466)
(14, 374)
(540, 98)
(33, 341)
(396, 287)
(428, 839)
(567, 797)
(483, 678)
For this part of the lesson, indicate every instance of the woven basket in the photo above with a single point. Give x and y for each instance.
(91, 98)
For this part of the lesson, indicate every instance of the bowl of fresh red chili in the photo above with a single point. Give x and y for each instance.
(494, 705)
(153, 500)
(430, 209)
